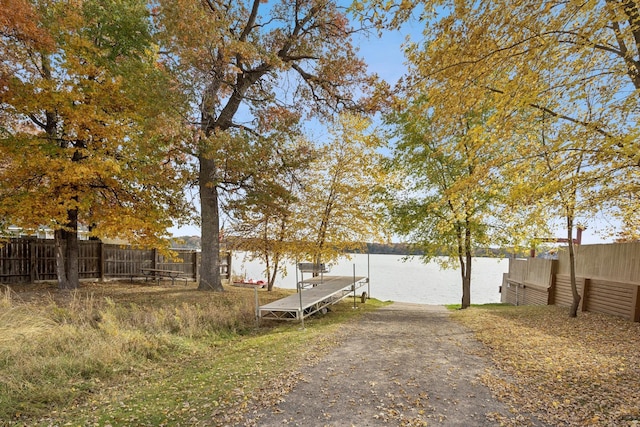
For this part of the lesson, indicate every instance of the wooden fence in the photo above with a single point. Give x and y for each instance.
(528, 281)
(607, 278)
(31, 260)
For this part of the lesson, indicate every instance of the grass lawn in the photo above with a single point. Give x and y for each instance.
(132, 354)
(120, 354)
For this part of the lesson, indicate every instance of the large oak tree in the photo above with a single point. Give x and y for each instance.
(246, 63)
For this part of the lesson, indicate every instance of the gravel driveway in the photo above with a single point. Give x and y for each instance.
(402, 365)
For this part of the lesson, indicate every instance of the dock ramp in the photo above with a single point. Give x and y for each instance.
(315, 294)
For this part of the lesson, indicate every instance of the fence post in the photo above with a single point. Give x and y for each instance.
(101, 260)
(552, 282)
(196, 265)
(33, 264)
(552, 289)
(585, 294)
(635, 306)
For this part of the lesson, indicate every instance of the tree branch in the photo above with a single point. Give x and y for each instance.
(553, 113)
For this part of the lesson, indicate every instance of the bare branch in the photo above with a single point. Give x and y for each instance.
(553, 113)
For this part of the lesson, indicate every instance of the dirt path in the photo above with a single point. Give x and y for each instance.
(402, 365)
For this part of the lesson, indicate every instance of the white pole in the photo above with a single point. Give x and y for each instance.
(354, 286)
(301, 312)
(368, 277)
(257, 306)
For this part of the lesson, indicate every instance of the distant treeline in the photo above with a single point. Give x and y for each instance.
(408, 249)
(193, 242)
(186, 242)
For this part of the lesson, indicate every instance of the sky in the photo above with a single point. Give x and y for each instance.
(385, 57)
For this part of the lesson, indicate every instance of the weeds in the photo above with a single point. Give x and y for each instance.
(110, 352)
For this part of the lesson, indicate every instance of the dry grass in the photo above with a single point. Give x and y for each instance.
(130, 354)
(133, 354)
(581, 371)
(56, 345)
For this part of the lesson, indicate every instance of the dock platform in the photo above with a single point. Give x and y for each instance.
(324, 291)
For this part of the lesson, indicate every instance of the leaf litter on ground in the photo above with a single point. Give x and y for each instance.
(582, 371)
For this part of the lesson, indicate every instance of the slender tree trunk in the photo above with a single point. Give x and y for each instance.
(281, 239)
(267, 266)
(73, 250)
(465, 270)
(466, 283)
(322, 230)
(271, 280)
(572, 267)
(210, 228)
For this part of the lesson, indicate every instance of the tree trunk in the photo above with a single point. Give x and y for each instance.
(466, 281)
(210, 228)
(67, 253)
(66, 240)
(267, 265)
(572, 267)
(464, 257)
(271, 280)
(61, 271)
(317, 261)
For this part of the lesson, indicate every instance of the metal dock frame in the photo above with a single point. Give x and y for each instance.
(326, 291)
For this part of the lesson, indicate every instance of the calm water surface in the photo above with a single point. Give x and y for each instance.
(392, 278)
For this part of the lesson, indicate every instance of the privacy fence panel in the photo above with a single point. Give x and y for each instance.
(529, 282)
(89, 261)
(30, 260)
(563, 295)
(184, 261)
(122, 261)
(44, 260)
(610, 297)
(15, 262)
(618, 261)
(607, 279)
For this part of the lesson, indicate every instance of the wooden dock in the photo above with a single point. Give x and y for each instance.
(324, 291)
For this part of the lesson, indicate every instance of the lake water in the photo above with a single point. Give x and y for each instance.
(392, 278)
